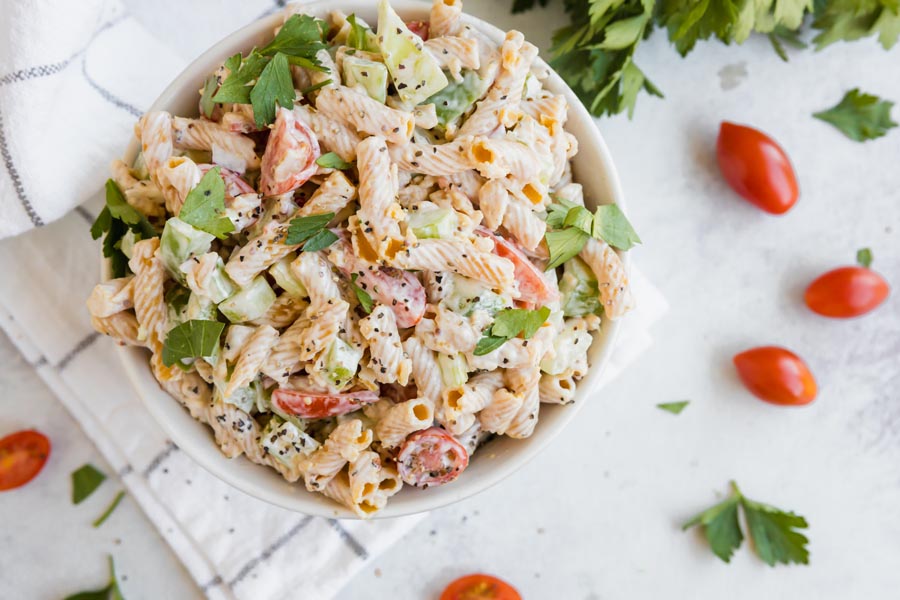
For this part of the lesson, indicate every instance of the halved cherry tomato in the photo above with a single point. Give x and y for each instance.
(22, 456)
(431, 457)
(420, 28)
(318, 405)
(846, 292)
(532, 285)
(290, 156)
(479, 586)
(756, 168)
(776, 375)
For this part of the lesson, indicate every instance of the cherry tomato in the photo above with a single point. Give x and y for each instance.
(22, 456)
(420, 28)
(290, 156)
(398, 290)
(479, 586)
(756, 168)
(776, 375)
(431, 457)
(846, 292)
(318, 405)
(533, 287)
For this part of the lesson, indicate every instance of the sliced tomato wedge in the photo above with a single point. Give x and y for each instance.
(480, 586)
(420, 28)
(532, 285)
(290, 157)
(22, 456)
(319, 405)
(431, 457)
(399, 290)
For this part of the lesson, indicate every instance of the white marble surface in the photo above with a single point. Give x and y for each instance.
(597, 515)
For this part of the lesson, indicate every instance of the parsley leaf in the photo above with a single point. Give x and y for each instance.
(864, 257)
(274, 85)
(84, 481)
(304, 228)
(204, 207)
(207, 105)
(110, 592)
(673, 407)
(320, 241)
(191, 339)
(773, 531)
(317, 86)
(330, 160)
(611, 226)
(365, 300)
(850, 20)
(237, 86)
(509, 323)
(523, 5)
(301, 35)
(109, 509)
(860, 116)
(564, 244)
(116, 218)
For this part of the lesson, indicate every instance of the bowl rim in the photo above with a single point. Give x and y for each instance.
(203, 450)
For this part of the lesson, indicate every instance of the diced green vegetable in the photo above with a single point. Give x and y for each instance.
(371, 75)
(416, 73)
(250, 303)
(200, 308)
(437, 223)
(179, 242)
(219, 285)
(341, 362)
(244, 398)
(467, 295)
(284, 277)
(580, 295)
(285, 441)
(454, 370)
(454, 100)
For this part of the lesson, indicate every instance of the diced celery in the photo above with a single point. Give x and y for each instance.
(580, 295)
(179, 242)
(244, 398)
(139, 169)
(126, 244)
(454, 370)
(341, 362)
(437, 223)
(250, 303)
(455, 99)
(284, 276)
(568, 345)
(467, 295)
(371, 75)
(218, 284)
(285, 441)
(416, 73)
(200, 308)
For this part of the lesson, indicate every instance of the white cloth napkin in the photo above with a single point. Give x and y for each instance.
(73, 79)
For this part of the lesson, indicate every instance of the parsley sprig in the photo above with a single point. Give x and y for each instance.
(510, 323)
(263, 77)
(110, 592)
(312, 232)
(85, 480)
(860, 116)
(864, 257)
(204, 207)
(595, 54)
(365, 300)
(192, 339)
(115, 220)
(773, 532)
(571, 225)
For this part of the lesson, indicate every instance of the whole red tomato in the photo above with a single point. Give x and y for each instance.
(756, 168)
(776, 375)
(846, 292)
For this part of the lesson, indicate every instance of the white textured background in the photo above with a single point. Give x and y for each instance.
(597, 515)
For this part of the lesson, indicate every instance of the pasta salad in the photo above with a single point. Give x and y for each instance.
(366, 255)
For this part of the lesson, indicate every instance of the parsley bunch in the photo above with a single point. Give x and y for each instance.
(595, 53)
(263, 77)
(115, 220)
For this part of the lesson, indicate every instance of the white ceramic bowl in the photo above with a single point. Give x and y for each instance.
(494, 461)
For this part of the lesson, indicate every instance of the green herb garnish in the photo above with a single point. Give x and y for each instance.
(510, 323)
(116, 218)
(109, 509)
(312, 230)
(365, 300)
(110, 592)
(860, 116)
(204, 207)
(673, 407)
(84, 481)
(330, 160)
(773, 531)
(864, 257)
(192, 339)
